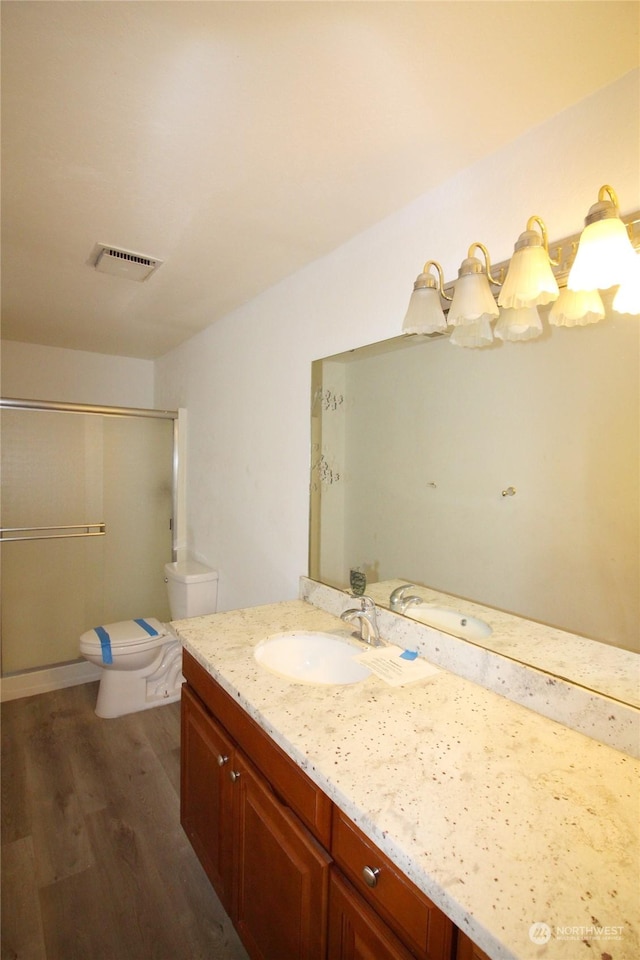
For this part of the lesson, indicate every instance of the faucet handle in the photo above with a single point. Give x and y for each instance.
(398, 594)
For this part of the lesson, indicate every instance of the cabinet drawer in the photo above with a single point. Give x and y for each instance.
(288, 781)
(413, 917)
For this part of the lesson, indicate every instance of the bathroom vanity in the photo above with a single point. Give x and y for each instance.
(436, 821)
(274, 845)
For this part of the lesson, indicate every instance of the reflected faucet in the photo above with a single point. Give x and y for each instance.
(398, 602)
(366, 614)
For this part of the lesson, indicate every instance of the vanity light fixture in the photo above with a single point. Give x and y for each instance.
(530, 281)
(424, 313)
(608, 255)
(605, 254)
(627, 299)
(475, 334)
(521, 323)
(576, 308)
(473, 305)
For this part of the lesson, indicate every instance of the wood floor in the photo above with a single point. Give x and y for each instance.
(95, 865)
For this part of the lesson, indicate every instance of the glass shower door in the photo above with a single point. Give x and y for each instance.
(92, 495)
(137, 507)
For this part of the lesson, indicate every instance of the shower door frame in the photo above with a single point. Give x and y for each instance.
(35, 681)
(12, 403)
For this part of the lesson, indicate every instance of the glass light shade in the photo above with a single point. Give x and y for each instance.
(627, 299)
(475, 334)
(604, 256)
(530, 281)
(576, 308)
(521, 324)
(472, 300)
(424, 314)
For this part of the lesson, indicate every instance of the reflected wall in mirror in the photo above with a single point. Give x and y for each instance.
(508, 476)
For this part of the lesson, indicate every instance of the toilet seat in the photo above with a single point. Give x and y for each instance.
(127, 636)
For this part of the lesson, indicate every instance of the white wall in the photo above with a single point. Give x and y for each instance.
(32, 372)
(246, 379)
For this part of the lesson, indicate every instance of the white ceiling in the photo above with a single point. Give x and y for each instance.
(238, 141)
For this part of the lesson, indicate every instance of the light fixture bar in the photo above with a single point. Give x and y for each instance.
(562, 253)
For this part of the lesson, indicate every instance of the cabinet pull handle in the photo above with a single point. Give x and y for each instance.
(235, 776)
(370, 876)
(222, 760)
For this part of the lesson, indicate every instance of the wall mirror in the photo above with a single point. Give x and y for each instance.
(506, 476)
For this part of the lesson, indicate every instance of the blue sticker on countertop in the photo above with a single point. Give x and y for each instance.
(409, 655)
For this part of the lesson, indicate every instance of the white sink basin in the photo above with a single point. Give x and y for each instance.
(311, 657)
(450, 621)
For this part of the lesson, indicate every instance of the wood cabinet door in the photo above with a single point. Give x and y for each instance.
(280, 903)
(206, 793)
(356, 932)
(467, 949)
(287, 780)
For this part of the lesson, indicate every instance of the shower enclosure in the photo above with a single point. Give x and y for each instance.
(87, 511)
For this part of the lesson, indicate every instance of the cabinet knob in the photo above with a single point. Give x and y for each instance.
(235, 776)
(370, 876)
(222, 760)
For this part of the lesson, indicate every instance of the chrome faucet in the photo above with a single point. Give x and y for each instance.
(398, 602)
(366, 614)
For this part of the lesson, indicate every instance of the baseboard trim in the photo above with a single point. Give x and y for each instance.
(52, 678)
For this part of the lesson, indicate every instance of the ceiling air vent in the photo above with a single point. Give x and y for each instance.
(125, 263)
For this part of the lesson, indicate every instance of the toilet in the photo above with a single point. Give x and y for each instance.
(141, 659)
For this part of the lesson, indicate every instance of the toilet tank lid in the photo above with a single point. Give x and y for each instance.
(189, 571)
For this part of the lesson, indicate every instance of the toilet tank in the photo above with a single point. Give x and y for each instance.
(192, 588)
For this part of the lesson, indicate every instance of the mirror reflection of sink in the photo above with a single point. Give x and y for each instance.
(450, 621)
(311, 657)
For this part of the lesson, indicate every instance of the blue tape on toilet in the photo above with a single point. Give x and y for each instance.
(105, 644)
(146, 626)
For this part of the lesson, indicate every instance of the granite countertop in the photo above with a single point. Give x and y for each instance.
(504, 818)
(608, 669)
